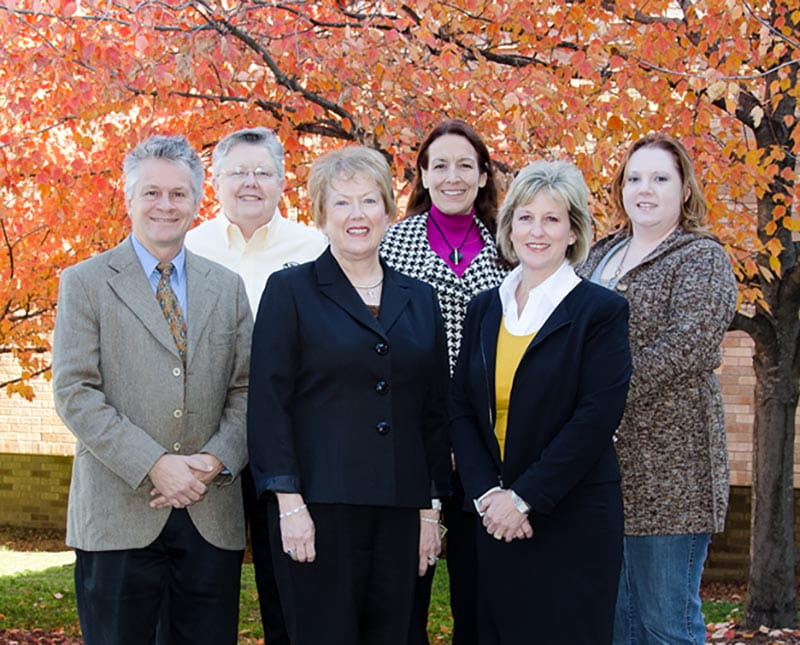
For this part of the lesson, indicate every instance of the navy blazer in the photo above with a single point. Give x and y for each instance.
(343, 407)
(567, 399)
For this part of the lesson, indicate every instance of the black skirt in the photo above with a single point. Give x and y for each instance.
(561, 584)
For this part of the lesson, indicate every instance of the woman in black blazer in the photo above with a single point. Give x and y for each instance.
(347, 427)
(538, 390)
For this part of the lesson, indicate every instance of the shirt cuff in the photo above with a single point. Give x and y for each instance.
(478, 501)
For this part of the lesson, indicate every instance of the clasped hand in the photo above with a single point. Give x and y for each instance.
(501, 518)
(182, 480)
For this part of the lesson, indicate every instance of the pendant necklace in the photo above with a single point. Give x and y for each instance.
(455, 254)
(618, 272)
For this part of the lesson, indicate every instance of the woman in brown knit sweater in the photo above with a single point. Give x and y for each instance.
(671, 441)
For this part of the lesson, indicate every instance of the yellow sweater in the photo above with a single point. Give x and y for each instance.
(510, 349)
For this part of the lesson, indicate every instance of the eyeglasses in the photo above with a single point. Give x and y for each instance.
(261, 175)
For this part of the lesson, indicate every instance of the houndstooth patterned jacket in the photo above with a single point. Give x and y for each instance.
(405, 247)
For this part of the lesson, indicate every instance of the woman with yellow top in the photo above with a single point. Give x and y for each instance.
(538, 390)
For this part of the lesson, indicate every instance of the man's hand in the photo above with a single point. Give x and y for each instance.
(177, 480)
(207, 476)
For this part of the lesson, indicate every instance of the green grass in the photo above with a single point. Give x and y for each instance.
(720, 611)
(36, 591)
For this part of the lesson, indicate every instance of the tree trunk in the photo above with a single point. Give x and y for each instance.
(771, 597)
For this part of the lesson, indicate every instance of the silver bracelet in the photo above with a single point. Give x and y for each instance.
(442, 527)
(294, 511)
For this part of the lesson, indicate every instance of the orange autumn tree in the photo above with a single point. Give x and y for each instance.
(82, 81)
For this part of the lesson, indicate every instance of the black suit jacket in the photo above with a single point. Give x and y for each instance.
(343, 407)
(567, 399)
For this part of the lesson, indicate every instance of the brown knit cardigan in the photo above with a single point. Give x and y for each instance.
(671, 441)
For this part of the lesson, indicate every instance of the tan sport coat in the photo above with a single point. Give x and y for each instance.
(120, 388)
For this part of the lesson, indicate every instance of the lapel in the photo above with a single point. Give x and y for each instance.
(489, 328)
(132, 287)
(561, 316)
(202, 294)
(482, 273)
(334, 285)
(394, 298)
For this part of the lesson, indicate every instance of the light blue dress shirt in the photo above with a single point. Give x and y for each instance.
(177, 279)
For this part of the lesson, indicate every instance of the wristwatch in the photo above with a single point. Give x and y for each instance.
(436, 504)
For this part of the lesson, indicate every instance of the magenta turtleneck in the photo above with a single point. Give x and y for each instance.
(456, 231)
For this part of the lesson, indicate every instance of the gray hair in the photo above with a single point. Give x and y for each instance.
(255, 137)
(171, 148)
(561, 179)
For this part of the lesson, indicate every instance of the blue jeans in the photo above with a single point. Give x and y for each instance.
(659, 590)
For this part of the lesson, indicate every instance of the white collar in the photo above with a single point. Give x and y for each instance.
(542, 299)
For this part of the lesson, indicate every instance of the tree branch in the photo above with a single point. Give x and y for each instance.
(289, 82)
(757, 327)
(27, 377)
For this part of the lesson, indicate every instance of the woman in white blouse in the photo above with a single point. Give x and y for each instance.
(538, 390)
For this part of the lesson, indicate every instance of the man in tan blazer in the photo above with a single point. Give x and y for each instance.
(150, 371)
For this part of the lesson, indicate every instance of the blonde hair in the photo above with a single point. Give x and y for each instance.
(561, 179)
(344, 164)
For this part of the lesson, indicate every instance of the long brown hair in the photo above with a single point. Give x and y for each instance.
(693, 209)
(486, 200)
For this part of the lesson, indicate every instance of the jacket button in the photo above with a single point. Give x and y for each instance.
(381, 387)
(177, 413)
(383, 427)
(176, 371)
(382, 348)
(176, 446)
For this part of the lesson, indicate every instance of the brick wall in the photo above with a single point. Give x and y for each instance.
(33, 490)
(31, 428)
(729, 554)
(738, 380)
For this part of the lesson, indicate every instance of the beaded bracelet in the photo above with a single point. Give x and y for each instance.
(294, 511)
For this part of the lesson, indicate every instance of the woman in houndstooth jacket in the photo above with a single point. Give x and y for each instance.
(447, 240)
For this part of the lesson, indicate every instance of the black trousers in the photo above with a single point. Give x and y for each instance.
(359, 589)
(269, 601)
(462, 569)
(120, 593)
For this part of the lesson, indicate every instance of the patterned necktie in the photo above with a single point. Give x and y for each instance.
(171, 307)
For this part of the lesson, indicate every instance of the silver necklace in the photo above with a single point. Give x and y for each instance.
(370, 289)
(618, 271)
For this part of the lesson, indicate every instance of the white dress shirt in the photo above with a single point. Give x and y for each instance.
(276, 245)
(542, 299)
